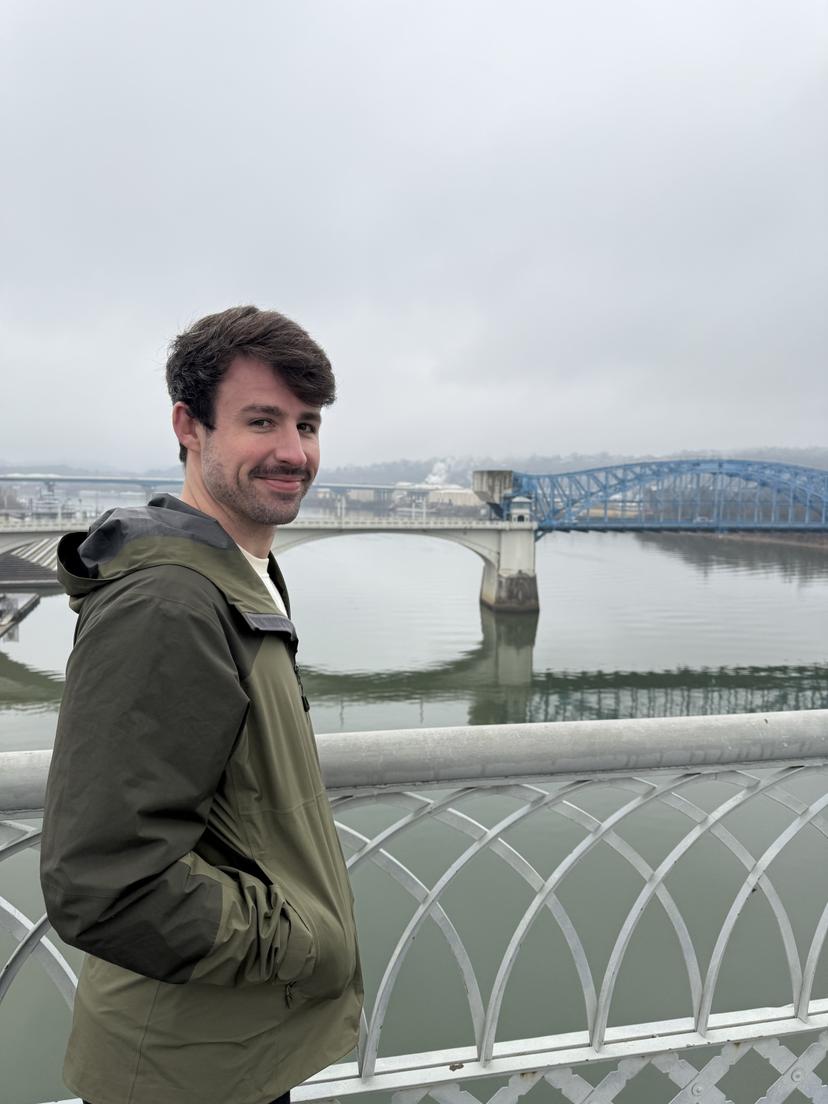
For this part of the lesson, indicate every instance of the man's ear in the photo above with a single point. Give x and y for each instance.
(185, 427)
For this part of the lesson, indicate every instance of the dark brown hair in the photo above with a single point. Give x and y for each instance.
(201, 355)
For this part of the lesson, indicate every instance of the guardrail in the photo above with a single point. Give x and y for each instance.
(647, 898)
(39, 525)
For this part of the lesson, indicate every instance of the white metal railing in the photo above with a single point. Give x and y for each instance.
(534, 820)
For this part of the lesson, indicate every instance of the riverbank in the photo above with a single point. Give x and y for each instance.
(799, 540)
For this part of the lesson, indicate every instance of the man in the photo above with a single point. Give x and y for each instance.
(188, 845)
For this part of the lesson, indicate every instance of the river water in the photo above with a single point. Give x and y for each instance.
(392, 635)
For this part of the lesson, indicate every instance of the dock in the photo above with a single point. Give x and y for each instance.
(13, 608)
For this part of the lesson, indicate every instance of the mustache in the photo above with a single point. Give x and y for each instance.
(280, 473)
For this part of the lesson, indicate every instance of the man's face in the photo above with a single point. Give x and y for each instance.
(263, 454)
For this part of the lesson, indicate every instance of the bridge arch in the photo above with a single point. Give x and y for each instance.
(298, 533)
(507, 549)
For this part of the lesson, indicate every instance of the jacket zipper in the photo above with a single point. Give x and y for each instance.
(305, 702)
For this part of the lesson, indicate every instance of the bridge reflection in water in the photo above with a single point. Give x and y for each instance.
(500, 686)
(498, 682)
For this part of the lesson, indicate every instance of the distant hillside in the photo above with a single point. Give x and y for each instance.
(458, 469)
(47, 467)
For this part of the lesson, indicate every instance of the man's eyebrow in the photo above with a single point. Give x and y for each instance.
(277, 412)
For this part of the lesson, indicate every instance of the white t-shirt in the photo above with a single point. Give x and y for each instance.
(260, 567)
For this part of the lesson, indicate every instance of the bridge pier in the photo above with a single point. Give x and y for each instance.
(509, 581)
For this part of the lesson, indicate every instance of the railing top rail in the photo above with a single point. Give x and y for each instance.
(488, 754)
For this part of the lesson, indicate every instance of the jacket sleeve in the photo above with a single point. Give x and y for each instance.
(152, 708)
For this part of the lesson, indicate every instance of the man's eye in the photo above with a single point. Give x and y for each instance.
(261, 423)
(308, 427)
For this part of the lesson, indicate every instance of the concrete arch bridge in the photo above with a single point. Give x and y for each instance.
(507, 548)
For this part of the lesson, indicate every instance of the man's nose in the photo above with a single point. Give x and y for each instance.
(289, 447)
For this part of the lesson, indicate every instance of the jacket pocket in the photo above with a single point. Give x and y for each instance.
(299, 957)
(335, 960)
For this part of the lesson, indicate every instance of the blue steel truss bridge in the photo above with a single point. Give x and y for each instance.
(707, 495)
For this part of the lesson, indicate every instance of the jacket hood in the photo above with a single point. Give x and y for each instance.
(165, 531)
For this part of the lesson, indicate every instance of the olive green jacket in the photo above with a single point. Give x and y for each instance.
(188, 844)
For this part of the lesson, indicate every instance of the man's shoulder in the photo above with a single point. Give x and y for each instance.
(165, 583)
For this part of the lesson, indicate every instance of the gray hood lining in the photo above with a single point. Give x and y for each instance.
(163, 516)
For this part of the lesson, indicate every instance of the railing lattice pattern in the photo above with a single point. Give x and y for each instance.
(681, 913)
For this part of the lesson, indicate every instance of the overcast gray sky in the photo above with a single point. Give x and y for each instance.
(517, 227)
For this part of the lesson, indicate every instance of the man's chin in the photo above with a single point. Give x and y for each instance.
(282, 508)
(286, 517)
